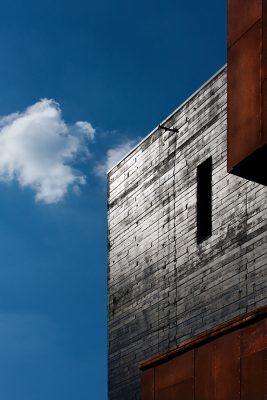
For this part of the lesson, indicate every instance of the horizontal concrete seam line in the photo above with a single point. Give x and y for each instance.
(199, 132)
(195, 123)
(197, 136)
(221, 112)
(197, 129)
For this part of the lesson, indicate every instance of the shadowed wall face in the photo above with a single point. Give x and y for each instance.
(247, 89)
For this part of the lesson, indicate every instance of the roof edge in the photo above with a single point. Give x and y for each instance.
(169, 116)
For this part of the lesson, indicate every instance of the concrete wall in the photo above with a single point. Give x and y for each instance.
(163, 286)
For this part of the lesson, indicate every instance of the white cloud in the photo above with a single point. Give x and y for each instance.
(37, 149)
(86, 129)
(113, 156)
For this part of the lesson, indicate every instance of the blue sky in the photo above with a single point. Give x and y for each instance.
(110, 71)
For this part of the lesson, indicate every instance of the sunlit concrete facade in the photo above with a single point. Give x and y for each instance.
(164, 284)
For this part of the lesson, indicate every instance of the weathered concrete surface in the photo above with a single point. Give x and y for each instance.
(163, 286)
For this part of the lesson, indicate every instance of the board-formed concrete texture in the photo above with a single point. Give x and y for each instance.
(164, 286)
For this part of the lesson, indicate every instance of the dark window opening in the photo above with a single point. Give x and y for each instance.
(204, 200)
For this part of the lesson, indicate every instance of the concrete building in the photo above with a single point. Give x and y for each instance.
(188, 253)
(166, 284)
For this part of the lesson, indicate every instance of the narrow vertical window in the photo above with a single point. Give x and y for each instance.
(204, 200)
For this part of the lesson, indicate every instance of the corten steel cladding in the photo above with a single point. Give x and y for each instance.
(247, 89)
(228, 363)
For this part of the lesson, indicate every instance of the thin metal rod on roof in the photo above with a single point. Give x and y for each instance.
(166, 128)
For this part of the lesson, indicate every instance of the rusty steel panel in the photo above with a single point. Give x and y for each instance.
(217, 369)
(254, 376)
(264, 75)
(244, 100)
(247, 96)
(204, 372)
(246, 319)
(254, 338)
(147, 384)
(242, 15)
(264, 113)
(174, 371)
(227, 367)
(264, 41)
(183, 390)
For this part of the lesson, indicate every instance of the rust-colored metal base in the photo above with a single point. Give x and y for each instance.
(225, 363)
